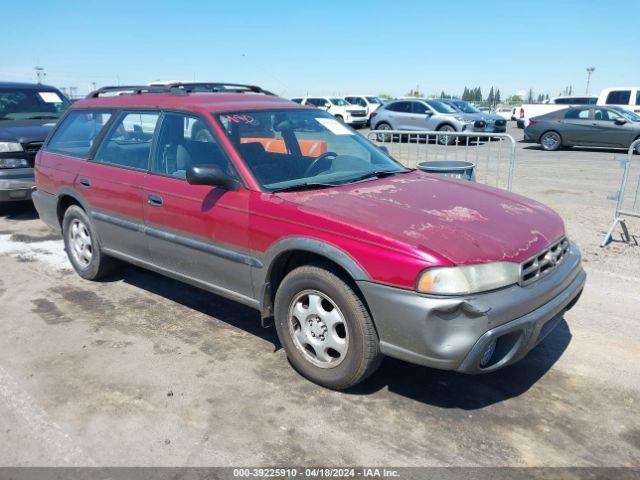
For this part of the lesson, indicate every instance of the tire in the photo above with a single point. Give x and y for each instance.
(334, 316)
(83, 247)
(550, 141)
(449, 139)
(637, 149)
(383, 137)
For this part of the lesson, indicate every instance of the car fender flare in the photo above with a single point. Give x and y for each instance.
(261, 278)
(442, 124)
(318, 247)
(71, 192)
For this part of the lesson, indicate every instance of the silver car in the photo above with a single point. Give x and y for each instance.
(418, 114)
(493, 123)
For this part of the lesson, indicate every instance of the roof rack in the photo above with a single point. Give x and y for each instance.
(180, 88)
(213, 87)
(133, 89)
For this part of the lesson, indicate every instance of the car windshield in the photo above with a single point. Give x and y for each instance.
(375, 100)
(441, 107)
(27, 103)
(340, 102)
(465, 107)
(634, 117)
(303, 149)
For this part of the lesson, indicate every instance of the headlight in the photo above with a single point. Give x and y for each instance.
(468, 278)
(14, 163)
(6, 147)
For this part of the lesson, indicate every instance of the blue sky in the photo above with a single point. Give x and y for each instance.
(326, 47)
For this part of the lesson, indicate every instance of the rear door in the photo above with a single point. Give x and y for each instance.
(401, 115)
(196, 231)
(576, 128)
(112, 183)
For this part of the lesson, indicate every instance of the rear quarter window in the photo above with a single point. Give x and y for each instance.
(78, 132)
(619, 97)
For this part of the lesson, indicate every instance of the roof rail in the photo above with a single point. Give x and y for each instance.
(180, 88)
(133, 89)
(212, 87)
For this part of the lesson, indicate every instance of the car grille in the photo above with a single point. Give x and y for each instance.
(31, 149)
(543, 263)
(358, 113)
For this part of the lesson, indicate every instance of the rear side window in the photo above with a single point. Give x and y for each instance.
(619, 97)
(128, 142)
(404, 107)
(78, 132)
(578, 114)
(638, 98)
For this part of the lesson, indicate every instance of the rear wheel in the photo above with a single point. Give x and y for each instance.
(638, 147)
(82, 246)
(325, 328)
(383, 137)
(550, 141)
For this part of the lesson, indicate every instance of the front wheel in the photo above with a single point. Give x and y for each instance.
(446, 139)
(82, 246)
(325, 328)
(551, 141)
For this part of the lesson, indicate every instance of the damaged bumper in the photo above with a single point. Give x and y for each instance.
(458, 333)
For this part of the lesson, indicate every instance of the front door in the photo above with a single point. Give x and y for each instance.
(112, 183)
(609, 133)
(196, 231)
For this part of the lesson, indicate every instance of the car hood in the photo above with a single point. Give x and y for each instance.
(462, 221)
(25, 131)
(484, 116)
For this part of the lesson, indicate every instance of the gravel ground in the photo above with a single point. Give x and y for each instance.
(142, 370)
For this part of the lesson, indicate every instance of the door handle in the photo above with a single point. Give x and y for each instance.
(154, 200)
(84, 183)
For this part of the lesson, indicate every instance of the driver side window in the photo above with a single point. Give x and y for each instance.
(183, 141)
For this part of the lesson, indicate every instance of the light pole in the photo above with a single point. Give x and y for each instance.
(589, 72)
(40, 73)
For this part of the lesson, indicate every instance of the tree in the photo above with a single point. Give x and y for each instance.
(546, 97)
(491, 97)
(497, 96)
(530, 96)
(514, 99)
(479, 95)
(465, 94)
(385, 96)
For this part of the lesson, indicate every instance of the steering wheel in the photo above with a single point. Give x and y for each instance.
(316, 162)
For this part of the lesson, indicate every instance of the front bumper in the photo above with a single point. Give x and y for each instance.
(356, 120)
(16, 184)
(453, 333)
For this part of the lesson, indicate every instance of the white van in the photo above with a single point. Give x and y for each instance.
(625, 97)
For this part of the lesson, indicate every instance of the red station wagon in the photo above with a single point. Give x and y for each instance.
(283, 208)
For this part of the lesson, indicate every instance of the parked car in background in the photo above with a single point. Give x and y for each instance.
(27, 113)
(625, 97)
(284, 209)
(370, 102)
(493, 123)
(530, 110)
(588, 125)
(507, 112)
(421, 114)
(341, 109)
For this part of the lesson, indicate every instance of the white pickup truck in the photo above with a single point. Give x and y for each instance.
(623, 97)
(530, 110)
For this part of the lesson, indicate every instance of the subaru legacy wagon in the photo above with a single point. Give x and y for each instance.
(283, 208)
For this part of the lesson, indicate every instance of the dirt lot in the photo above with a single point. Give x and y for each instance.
(142, 370)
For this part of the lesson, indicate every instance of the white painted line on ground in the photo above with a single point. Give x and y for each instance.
(46, 433)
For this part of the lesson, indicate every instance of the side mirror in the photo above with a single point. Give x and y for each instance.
(327, 106)
(384, 149)
(211, 175)
(620, 121)
(428, 113)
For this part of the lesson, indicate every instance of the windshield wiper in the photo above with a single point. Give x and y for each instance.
(42, 117)
(375, 174)
(304, 186)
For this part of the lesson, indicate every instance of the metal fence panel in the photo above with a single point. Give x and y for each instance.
(492, 153)
(628, 198)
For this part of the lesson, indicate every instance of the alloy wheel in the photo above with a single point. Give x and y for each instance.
(80, 243)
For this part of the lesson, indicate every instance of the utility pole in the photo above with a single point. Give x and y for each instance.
(40, 73)
(589, 72)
